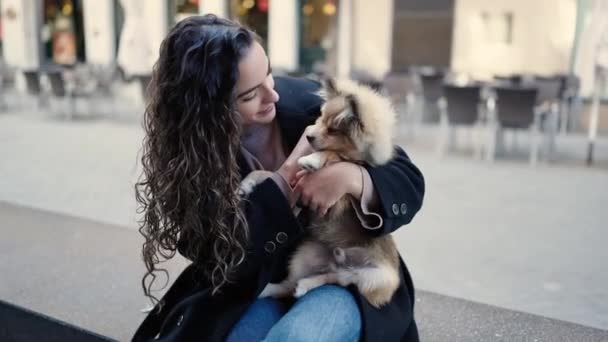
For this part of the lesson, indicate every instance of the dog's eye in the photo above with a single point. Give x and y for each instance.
(332, 131)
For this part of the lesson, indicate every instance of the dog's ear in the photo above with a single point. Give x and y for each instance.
(354, 105)
(351, 113)
(329, 85)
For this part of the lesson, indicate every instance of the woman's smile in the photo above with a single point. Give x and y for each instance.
(267, 110)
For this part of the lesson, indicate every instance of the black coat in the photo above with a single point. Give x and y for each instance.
(190, 313)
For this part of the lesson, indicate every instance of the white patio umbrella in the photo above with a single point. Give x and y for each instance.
(146, 25)
(591, 57)
(599, 89)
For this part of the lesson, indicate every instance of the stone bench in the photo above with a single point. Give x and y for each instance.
(59, 269)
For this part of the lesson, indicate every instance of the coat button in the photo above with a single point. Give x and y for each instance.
(180, 320)
(281, 237)
(270, 246)
(395, 209)
(403, 208)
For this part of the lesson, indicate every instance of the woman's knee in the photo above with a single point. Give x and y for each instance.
(330, 296)
(259, 318)
(328, 313)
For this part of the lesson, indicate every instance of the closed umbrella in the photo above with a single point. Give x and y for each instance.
(590, 58)
(601, 73)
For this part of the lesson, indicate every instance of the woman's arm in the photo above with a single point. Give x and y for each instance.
(268, 213)
(272, 227)
(272, 231)
(399, 187)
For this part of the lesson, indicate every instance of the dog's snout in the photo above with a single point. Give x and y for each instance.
(310, 138)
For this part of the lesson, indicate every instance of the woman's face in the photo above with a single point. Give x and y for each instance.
(255, 88)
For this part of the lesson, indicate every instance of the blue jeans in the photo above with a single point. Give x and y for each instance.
(327, 313)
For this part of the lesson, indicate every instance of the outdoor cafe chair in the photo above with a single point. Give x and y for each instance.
(463, 108)
(401, 88)
(515, 108)
(432, 94)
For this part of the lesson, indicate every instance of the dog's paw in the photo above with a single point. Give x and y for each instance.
(251, 181)
(311, 162)
(300, 291)
(246, 187)
(306, 285)
(339, 255)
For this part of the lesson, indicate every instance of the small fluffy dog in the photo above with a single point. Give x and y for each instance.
(355, 125)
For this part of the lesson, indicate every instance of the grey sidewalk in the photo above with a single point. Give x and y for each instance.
(76, 270)
(505, 234)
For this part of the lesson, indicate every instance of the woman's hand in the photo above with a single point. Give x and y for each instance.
(290, 167)
(320, 190)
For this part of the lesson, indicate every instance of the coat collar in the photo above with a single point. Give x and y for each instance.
(299, 106)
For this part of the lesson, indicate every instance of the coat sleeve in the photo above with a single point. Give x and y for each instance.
(269, 216)
(399, 185)
(273, 230)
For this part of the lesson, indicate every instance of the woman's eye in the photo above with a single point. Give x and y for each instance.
(250, 98)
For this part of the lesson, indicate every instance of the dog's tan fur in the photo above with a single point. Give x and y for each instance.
(355, 125)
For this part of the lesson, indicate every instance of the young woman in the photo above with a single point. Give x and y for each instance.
(215, 114)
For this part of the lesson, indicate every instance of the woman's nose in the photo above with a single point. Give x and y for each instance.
(274, 96)
(271, 94)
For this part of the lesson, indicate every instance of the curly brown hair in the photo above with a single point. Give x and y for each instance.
(187, 193)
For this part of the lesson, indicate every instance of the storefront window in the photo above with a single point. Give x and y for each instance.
(253, 14)
(317, 28)
(63, 32)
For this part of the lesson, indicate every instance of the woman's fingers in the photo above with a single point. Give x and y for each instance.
(322, 211)
(299, 175)
(310, 195)
(303, 195)
(301, 181)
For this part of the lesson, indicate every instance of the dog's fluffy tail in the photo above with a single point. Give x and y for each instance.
(377, 284)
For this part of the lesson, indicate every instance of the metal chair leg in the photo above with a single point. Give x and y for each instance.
(445, 134)
(534, 141)
(552, 131)
(492, 134)
(478, 130)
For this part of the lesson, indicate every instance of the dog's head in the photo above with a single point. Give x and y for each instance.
(355, 122)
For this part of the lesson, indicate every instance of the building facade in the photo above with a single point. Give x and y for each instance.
(481, 38)
(513, 37)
